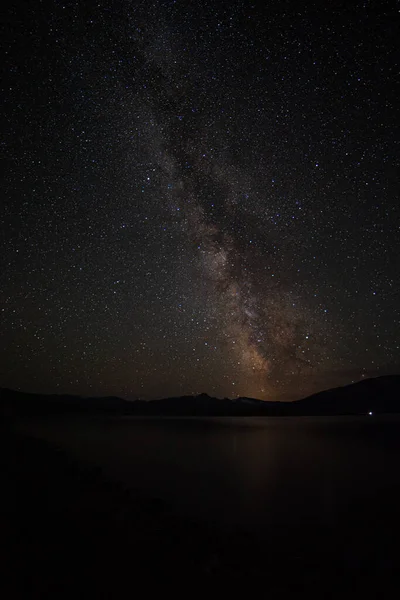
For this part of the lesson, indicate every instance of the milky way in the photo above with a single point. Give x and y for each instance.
(199, 197)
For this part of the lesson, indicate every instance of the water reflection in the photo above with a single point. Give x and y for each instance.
(248, 472)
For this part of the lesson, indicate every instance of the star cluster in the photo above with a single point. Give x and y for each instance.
(199, 197)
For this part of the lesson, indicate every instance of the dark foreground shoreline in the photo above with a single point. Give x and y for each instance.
(67, 532)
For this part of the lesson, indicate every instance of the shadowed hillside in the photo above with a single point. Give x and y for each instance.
(379, 396)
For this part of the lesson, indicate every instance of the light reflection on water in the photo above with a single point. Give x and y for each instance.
(249, 472)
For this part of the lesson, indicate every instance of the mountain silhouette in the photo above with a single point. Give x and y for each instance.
(380, 395)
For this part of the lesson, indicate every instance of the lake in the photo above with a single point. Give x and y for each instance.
(256, 474)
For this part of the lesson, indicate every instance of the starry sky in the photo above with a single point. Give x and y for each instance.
(199, 196)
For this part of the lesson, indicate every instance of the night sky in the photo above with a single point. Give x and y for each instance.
(199, 196)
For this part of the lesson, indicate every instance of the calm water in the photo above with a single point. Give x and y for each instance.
(248, 472)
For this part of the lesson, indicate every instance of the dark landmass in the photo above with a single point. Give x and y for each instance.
(380, 395)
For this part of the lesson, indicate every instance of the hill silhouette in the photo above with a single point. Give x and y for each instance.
(378, 395)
